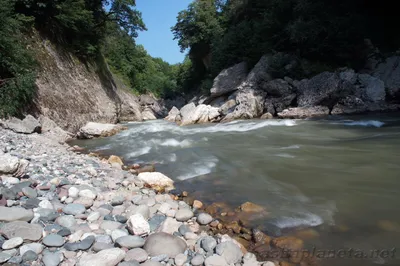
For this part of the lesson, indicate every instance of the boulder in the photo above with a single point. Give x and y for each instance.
(163, 243)
(324, 89)
(372, 88)
(157, 180)
(148, 114)
(8, 164)
(173, 115)
(92, 130)
(259, 74)
(28, 125)
(251, 207)
(277, 105)
(389, 73)
(187, 113)
(250, 104)
(277, 88)
(199, 114)
(354, 105)
(229, 79)
(152, 107)
(51, 130)
(304, 112)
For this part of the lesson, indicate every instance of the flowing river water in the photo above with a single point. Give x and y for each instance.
(339, 176)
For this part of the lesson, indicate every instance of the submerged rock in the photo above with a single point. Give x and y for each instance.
(304, 112)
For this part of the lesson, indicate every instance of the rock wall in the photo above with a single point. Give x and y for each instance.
(237, 94)
(72, 93)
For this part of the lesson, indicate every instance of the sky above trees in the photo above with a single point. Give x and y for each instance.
(159, 16)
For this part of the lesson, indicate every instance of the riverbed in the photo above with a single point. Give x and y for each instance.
(339, 176)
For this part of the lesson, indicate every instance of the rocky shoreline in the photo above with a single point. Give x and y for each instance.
(60, 207)
(239, 94)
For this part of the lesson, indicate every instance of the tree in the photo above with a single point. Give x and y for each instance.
(197, 26)
(81, 24)
(17, 67)
(126, 16)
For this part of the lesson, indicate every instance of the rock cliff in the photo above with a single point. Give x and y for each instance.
(72, 93)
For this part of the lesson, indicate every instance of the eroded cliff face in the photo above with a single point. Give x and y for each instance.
(72, 93)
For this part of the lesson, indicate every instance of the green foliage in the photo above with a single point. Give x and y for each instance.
(197, 26)
(80, 25)
(17, 75)
(131, 62)
(325, 34)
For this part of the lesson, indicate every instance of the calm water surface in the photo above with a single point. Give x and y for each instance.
(339, 173)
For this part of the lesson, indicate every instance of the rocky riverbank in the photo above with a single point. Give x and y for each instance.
(268, 91)
(58, 207)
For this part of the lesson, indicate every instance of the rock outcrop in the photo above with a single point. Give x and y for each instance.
(389, 73)
(128, 108)
(237, 95)
(229, 79)
(325, 89)
(152, 108)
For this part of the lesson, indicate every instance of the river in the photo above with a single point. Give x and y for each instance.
(339, 176)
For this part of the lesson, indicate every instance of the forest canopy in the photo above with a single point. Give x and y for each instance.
(220, 33)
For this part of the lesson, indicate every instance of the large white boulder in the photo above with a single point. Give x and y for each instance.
(191, 114)
(156, 180)
(92, 130)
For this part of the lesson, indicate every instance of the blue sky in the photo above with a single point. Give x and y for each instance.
(159, 16)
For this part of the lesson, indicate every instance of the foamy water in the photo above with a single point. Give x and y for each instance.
(362, 123)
